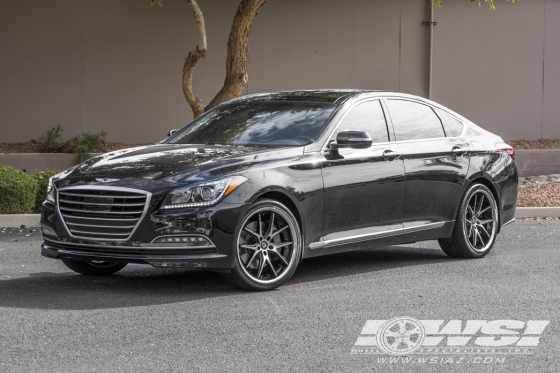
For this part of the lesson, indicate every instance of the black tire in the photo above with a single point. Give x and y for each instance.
(265, 258)
(93, 268)
(475, 232)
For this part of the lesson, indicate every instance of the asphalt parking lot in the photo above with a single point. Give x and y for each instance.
(146, 320)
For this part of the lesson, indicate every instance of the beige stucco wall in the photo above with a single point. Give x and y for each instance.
(489, 66)
(95, 65)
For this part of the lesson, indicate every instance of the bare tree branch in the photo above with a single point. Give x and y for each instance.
(201, 51)
(236, 63)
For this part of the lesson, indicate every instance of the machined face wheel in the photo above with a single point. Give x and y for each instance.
(265, 247)
(480, 221)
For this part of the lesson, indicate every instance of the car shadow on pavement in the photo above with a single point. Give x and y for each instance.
(138, 285)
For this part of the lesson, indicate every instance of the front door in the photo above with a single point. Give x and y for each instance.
(364, 188)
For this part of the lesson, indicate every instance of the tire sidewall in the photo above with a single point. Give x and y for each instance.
(462, 219)
(241, 277)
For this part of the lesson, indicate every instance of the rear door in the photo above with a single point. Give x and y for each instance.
(364, 188)
(436, 161)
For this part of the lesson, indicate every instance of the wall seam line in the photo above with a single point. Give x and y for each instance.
(543, 69)
(400, 42)
(83, 65)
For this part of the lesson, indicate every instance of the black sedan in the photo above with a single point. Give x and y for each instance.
(259, 183)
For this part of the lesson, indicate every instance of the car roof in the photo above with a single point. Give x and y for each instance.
(333, 96)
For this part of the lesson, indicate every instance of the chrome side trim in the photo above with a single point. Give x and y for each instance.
(509, 222)
(376, 235)
(108, 188)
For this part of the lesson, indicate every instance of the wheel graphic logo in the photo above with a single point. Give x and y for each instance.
(401, 336)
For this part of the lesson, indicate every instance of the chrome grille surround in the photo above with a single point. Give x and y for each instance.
(90, 211)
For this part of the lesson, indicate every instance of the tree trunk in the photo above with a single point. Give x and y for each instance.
(236, 62)
(201, 51)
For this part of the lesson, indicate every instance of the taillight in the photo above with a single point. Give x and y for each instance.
(502, 146)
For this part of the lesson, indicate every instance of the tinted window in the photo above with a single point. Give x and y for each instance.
(367, 117)
(453, 127)
(414, 121)
(258, 123)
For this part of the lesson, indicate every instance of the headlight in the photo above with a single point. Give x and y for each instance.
(50, 190)
(50, 187)
(203, 194)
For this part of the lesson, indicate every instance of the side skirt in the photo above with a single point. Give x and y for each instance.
(394, 238)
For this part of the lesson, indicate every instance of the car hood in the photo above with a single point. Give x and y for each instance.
(173, 163)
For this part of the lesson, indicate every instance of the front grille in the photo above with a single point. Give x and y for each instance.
(102, 213)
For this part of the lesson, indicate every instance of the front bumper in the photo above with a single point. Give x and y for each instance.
(218, 224)
(155, 256)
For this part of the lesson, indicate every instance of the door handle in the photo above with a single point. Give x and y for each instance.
(459, 150)
(391, 155)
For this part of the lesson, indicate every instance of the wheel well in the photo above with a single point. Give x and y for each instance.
(286, 201)
(490, 186)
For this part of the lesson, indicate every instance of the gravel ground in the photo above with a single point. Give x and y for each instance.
(535, 144)
(545, 195)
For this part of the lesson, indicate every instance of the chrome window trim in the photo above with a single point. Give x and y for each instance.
(107, 188)
(358, 102)
(386, 112)
(435, 105)
(431, 107)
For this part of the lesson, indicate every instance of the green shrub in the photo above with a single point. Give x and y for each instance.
(49, 142)
(86, 143)
(42, 179)
(18, 191)
(81, 145)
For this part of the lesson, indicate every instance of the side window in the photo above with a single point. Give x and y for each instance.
(367, 117)
(453, 127)
(414, 121)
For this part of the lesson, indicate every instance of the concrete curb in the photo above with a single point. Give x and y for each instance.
(32, 220)
(537, 212)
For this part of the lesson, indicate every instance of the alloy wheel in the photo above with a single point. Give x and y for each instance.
(266, 249)
(480, 220)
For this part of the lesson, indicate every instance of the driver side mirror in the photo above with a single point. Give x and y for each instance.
(172, 132)
(352, 140)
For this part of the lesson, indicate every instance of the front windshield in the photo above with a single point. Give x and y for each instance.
(258, 123)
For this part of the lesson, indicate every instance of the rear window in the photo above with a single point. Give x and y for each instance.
(413, 121)
(453, 127)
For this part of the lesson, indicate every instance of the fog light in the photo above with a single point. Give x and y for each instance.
(48, 232)
(187, 240)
